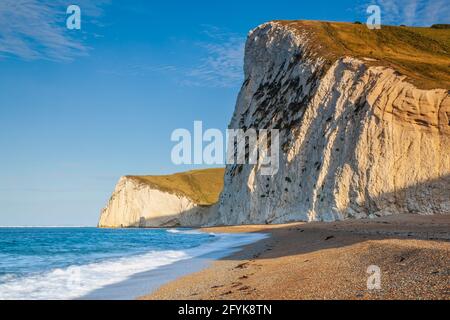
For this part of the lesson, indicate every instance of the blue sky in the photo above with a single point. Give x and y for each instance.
(80, 108)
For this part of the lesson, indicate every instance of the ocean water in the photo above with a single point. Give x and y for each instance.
(72, 263)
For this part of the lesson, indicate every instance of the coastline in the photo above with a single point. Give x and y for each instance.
(196, 259)
(319, 261)
(105, 264)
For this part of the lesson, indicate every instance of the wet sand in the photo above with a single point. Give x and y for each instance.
(328, 261)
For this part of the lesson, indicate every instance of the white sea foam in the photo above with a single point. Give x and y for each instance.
(78, 281)
(186, 231)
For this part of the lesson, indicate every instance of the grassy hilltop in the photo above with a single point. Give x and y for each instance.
(422, 54)
(202, 186)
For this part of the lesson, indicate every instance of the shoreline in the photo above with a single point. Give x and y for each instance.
(320, 261)
(196, 259)
(137, 266)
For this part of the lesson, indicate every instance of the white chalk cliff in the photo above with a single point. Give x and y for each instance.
(164, 201)
(358, 140)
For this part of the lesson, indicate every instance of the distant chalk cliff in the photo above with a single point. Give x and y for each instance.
(185, 199)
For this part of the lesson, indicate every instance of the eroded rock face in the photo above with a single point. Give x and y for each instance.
(136, 204)
(357, 140)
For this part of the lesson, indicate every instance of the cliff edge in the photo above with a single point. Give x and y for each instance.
(363, 118)
(184, 199)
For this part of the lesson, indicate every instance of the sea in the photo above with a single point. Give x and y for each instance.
(104, 264)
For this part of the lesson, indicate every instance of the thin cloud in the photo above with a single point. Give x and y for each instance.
(36, 29)
(222, 65)
(414, 12)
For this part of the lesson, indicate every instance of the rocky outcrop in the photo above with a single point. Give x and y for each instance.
(358, 139)
(145, 202)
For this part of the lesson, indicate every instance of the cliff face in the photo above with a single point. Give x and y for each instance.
(358, 138)
(167, 201)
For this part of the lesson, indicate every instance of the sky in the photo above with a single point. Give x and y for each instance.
(81, 108)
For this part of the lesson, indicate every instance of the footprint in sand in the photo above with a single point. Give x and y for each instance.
(245, 288)
(217, 287)
(242, 266)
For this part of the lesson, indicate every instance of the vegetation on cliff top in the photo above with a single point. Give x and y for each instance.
(201, 186)
(421, 54)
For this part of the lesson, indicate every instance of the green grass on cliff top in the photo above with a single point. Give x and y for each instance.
(422, 54)
(202, 186)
